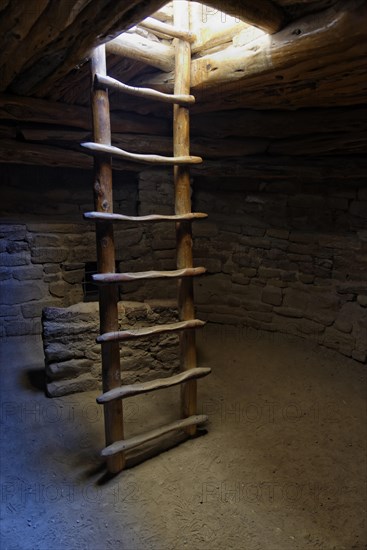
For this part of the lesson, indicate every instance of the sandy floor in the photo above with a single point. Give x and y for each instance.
(282, 467)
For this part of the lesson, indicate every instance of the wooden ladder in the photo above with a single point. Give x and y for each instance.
(108, 280)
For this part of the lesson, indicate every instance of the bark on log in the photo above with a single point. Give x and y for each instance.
(313, 62)
(55, 49)
(136, 47)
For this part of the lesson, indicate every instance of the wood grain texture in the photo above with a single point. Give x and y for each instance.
(133, 442)
(137, 47)
(112, 83)
(103, 149)
(314, 62)
(132, 334)
(141, 219)
(158, 384)
(105, 278)
(166, 30)
(181, 174)
(46, 41)
(64, 38)
(108, 296)
(265, 14)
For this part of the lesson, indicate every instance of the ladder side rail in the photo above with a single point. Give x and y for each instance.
(108, 295)
(181, 142)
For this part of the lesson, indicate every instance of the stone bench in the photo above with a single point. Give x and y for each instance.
(73, 358)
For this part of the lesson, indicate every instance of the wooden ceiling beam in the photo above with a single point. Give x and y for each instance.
(304, 41)
(57, 45)
(264, 14)
(314, 61)
(142, 49)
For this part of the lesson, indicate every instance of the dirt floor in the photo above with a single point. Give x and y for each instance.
(282, 467)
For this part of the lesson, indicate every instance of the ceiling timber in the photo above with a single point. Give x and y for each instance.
(315, 46)
(296, 90)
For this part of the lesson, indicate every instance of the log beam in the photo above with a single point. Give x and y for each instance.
(300, 42)
(166, 30)
(304, 65)
(68, 36)
(142, 49)
(264, 14)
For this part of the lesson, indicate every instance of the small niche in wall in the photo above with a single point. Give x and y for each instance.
(90, 289)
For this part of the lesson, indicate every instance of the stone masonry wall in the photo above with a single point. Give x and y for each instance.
(44, 242)
(73, 358)
(282, 256)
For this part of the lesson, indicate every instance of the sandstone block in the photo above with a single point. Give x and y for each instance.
(359, 355)
(9, 311)
(75, 276)
(240, 279)
(260, 316)
(278, 233)
(46, 240)
(340, 341)
(288, 312)
(69, 369)
(12, 232)
(14, 292)
(362, 300)
(82, 383)
(34, 309)
(59, 289)
(272, 295)
(25, 328)
(268, 273)
(49, 255)
(5, 274)
(27, 273)
(343, 325)
(73, 358)
(14, 247)
(51, 269)
(300, 237)
(9, 260)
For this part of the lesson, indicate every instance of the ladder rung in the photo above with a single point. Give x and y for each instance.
(148, 331)
(113, 84)
(109, 216)
(133, 442)
(105, 278)
(98, 148)
(168, 30)
(160, 383)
